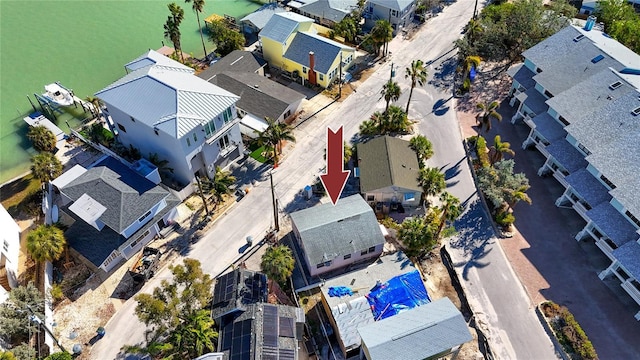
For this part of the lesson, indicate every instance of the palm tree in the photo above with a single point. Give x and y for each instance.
(397, 121)
(161, 164)
(172, 27)
(368, 128)
(220, 185)
(45, 166)
(418, 74)
(277, 263)
(198, 6)
(432, 181)
(498, 149)
(378, 118)
(347, 28)
(516, 195)
(45, 243)
(42, 138)
(450, 209)
(489, 111)
(474, 29)
(348, 152)
(195, 335)
(381, 34)
(95, 107)
(390, 91)
(423, 148)
(273, 136)
(469, 62)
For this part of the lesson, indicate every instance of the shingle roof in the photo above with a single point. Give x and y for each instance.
(522, 75)
(587, 186)
(329, 231)
(612, 223)
(386, 161)
(534, 100)
(237, 61)
(567, 155)
(259, 95)
(628, 255)
(170, 100)
(261, 17)
(126, 195)
(334, 10)
(549, 127)
(281, 25)
(393, 4)
(418, 333)
(325, 51)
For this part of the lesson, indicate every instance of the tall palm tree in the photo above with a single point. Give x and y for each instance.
(432, 181)
(45, 243)
(450, 209)
(516, 195)
(195, 335)
(274, 135)
(42, 138)
(499, 148)
(277, 263)
(381, 34)
(418, 74)
(172, 27)
(378, 118)
(397, 121)
(390, 91)
(368, 128)
(474, 29)
(489, 111)
(45, 166)
(220, 185)
(198, 7)
(423, 148)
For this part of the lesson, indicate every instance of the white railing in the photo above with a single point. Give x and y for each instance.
(543, 149)
(580, 209)
(605, 248)
(633, 292)
(560, 177)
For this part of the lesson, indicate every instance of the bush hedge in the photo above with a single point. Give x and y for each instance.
(568, 331)
(481, 150)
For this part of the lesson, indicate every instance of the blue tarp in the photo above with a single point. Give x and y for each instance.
(472, 73)
(400, 293)
(339, 291)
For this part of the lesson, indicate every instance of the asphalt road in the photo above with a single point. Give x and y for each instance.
(493, 290)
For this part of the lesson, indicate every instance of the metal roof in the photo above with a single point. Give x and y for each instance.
(152, 57)
(170, 100)
(282, 25)
(326, 51)
(261, 17)
(387, 161)
(416, 334)
(393, 4)
(329, 231)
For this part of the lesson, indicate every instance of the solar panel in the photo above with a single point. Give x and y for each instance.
(270, 326)
(286, 327)
(224, 289)
(286, 354)
(241, 342)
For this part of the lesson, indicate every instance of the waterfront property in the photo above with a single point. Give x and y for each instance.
(294, 44)
(388, 170)
(111, 211)
(236, 61)
(399, 13)
(8, 253)
(324, 12)
(334, 237)
(253, 23)
(579, 92)
(161, 107)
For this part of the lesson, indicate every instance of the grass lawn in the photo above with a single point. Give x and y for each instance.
(256, 153)
(14, 193)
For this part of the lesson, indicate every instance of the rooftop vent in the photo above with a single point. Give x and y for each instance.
(636, 111)
(578, 38)
(615, 85)
(597, 58)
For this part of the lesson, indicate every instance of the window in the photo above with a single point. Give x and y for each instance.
(563, 120)
(122, 128)
(548, 94)
(371, 198)
(304, 70)
(132, 119)
(608, 182)
(210, 128)
(287, 114)
(578, 38)
(409, 196)
(633, 218)
(224, 142)
(188, 142)
(321, 77)
(327, 263)
(5, 246)
(372, 249)
(363, 252)
(227, 115)
(636, 111)
(348, 256)
(111, 257)
(584, 149)
(195, 138)
(137, 241)
(144, 216)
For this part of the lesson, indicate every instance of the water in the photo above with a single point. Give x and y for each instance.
(82, 44)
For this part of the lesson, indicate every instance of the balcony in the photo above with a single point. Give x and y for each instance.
(581, 210)
(558, 175)
(223, 130)
(605, 248)
(631, 290)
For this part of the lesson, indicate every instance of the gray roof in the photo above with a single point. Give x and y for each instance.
(126, 195)
(328, 231)
(237, 61)
(416, 334)
(263, 331)
(549, 127)
(259, 95)
(151, 58)
(167, 98)
(393, 4)
(352, 311)
(588, 187)
(534, 100)
(522, 75)
(282, 25)
(325, 51)
(334, 10)
(567, 155)
(613, 224)
(261, 17)
(236, 290)
(628, 255)
(589, 95)
(387, 161)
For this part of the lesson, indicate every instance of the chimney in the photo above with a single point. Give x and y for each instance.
(312, 60)
(311, 73)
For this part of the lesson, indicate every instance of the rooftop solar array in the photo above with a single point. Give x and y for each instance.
(241, 340)
(225, 288)
(270, 327)
(287, 327)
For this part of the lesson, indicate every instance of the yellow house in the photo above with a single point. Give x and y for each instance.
(291, 42)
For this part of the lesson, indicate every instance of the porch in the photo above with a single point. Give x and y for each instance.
(532, 103)
(626, 269)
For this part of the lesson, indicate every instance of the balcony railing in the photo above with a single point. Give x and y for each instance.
(580, 209)
(633, 292)
(605, 248)
(560, 177)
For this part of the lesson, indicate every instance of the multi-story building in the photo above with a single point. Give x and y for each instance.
(399, 13)
(161, 107)
(579, 92)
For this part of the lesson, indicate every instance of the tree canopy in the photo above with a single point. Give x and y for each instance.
(42, 138)
(500, 184)
(225, 39)
(14, 313)
(278, 263)
(621, 22)
(419, 234)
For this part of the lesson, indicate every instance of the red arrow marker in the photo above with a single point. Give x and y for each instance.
(335, 178)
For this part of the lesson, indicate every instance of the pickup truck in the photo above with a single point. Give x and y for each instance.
(146, 265)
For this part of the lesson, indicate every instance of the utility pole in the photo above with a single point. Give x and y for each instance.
(204, 201)
(475, 9)
(340, 78)
(275, 204)
(391, 74)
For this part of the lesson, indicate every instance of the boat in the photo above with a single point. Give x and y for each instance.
(58, 94)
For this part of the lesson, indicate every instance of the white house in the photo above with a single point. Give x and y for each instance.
(334, 237)
(161, 107)
(399, 13)
(579, 92)
(8, 253)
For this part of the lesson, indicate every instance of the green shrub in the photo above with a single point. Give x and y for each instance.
(505, 218)
(389, 223)
(568, 331)
(56, 293)
(481, 150)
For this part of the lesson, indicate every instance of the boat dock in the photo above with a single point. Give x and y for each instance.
(37, 119)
